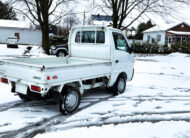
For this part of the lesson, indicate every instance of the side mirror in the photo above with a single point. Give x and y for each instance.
(132, 48)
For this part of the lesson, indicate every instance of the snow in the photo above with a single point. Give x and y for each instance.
(156, 104)
(6, 95)
(130, 130)
(24, 116)
(179, 32)
(14, 24)
(163, 27)
(5, 52)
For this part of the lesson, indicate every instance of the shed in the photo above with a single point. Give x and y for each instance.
(22, 30)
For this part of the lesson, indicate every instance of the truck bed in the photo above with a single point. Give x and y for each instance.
(60, 70)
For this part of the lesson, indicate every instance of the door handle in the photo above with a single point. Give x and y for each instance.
(117, 61)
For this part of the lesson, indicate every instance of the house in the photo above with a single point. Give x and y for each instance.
(100, 20)
(22, 30)
(168, 34)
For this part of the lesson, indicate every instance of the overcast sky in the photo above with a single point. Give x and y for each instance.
(79, 6)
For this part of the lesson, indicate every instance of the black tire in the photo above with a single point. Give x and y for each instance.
(12, 46)
(66, 104)
(25, 98)
(119, 86)
(61, 53)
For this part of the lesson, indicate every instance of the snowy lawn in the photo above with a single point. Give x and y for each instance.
(5, 52)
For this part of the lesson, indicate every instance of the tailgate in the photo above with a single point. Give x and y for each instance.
(17, 71)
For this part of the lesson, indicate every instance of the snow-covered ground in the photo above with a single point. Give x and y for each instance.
(5, 52)
(156, 103)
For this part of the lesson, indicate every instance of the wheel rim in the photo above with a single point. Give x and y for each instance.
(71, 101)
(121, 85)
(61, 54)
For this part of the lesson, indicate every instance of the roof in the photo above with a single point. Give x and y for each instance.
(101, 18)
(14, 24)
(164, 27)
(179, 32)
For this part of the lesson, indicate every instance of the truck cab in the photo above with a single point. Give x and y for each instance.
(103, 43)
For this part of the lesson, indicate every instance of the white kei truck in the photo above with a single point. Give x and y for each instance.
(99, 56)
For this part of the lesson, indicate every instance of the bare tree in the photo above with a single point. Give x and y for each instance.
(42, 13)
(122, 9)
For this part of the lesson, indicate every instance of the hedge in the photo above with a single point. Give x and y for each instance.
(161, 49)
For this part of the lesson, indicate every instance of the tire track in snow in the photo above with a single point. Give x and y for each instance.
(41, 126)
(18, 104)
(129, 119)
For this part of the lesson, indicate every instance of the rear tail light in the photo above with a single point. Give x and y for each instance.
(4, 80)
(36, 88)
(48, 77)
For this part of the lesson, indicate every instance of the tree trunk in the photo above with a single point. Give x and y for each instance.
(45, 38)
(115, 20)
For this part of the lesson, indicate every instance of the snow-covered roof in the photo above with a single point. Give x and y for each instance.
(179, 32)
(163, 27)
(14, 24)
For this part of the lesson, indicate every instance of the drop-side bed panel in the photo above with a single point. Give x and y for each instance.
(48, 72)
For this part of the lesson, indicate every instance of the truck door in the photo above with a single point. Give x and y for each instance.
(123, 56)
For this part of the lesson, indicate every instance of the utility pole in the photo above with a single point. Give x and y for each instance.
(84, 18)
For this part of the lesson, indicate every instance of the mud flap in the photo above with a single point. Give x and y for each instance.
(57, 97)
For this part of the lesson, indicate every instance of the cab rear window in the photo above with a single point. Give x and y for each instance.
(90, 37)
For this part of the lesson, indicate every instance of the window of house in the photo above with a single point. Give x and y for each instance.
(184, 39)
(173, 39)
(158, 38)
(17, 35)
(178, 39)
(169, 40)
(153, 40)
(120, 42)
(148, 38)
(90, 36)
(188, 39)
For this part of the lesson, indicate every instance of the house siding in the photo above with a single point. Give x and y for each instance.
(27, 36)
(154, 35)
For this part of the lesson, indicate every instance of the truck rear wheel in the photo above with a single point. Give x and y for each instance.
(69, 101)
